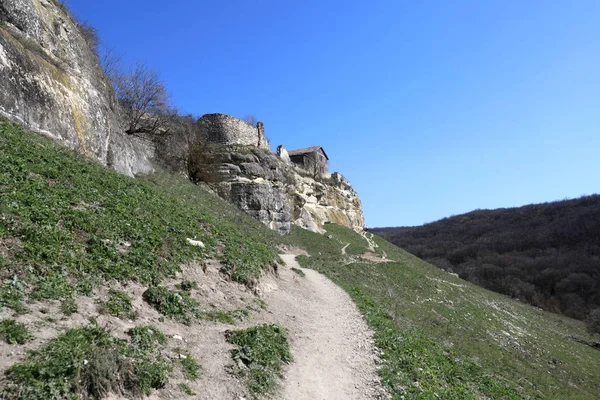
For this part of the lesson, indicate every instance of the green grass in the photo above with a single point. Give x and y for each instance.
(68, 306)
(225, 317)
(189, 365)
(175, 304)
(118, 305)
(185, 388)
(77, 223)
(442, 337)
(13, 332)
(260, 353)
(146, 338)
(298, 271)
(85, 362)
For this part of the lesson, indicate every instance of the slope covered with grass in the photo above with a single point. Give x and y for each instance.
(69, 226)
(71, 229)
(442, 337)
(545, 254)
(68, 223)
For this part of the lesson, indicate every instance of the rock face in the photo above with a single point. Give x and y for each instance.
(276, 194)
(51, 82)
(252, 179)
(317, 202)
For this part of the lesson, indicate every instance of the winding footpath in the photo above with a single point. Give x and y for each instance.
(334, 356)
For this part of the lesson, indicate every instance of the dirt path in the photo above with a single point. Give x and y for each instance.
(334, 356)
(333, 351)
(344, 248)
(371, 243)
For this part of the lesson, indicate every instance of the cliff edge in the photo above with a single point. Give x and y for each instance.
(52, 83)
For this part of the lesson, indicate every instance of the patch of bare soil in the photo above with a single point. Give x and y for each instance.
(373, 257)
(334, 356)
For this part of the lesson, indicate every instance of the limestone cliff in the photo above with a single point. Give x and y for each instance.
(325, 200)
(274, 191)
(51, 81)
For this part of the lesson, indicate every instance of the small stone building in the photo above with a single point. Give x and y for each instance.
(311, 159)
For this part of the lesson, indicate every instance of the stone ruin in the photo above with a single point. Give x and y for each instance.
(228, 130)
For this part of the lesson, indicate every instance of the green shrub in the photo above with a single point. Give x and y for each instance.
(187, 285)
(119, 304)
(84, 362)
(185, 388)
(68, 306)
(11, 297)
(262, 350)
(189, 364)
(13, 332)
(146, 338)
(177, 305)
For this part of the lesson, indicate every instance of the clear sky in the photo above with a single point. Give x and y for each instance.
(429, 108)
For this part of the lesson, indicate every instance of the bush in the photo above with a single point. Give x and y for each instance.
(190, 366)
(262, 350)
(84, 362)
(177, 305)
(13, 332)
(119, 305)
(146, 338)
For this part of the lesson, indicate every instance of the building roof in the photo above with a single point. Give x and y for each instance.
(307, 150)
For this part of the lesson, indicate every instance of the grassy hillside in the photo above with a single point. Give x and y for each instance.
(71, 230)
(545, 254)
(442, 337)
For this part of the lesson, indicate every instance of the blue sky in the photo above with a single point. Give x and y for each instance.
(429, 108)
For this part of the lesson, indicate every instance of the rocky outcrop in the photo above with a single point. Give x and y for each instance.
(327, 200)
(51, 82)
(250, 178)
(275, 193)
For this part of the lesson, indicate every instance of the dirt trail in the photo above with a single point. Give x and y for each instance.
(334, 356)
(371, 243)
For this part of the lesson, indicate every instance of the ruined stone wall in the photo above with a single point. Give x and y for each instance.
(225, 129)
(52, 83)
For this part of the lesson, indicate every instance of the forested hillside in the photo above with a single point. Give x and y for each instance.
(545, 254)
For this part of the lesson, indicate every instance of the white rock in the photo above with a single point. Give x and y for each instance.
(197, 243)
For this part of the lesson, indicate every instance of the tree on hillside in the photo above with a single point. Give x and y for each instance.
(144, 100)
(250, 120)
(175, 147)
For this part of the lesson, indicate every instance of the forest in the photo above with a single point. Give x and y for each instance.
(546, 254)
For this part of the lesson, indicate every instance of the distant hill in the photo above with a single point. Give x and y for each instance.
(545, 254)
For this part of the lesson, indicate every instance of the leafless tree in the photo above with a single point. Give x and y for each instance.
(250, 120)
(90, 35)
(110, 61)
(174, 148)
(144, 100)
